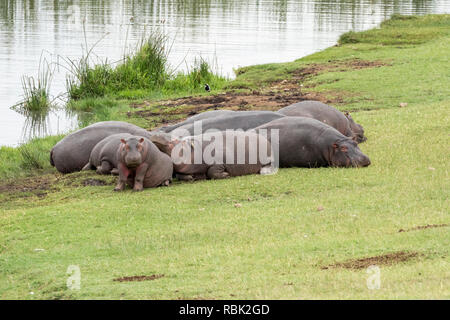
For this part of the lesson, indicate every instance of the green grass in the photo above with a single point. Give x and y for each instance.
(276, 244)
(143, 72)
(29, 158)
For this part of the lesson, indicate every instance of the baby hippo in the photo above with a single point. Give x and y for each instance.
(141, 165)
(103, 157)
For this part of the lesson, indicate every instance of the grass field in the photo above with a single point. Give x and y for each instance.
(299, 234)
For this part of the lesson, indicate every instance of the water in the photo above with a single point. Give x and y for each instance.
(234, 32)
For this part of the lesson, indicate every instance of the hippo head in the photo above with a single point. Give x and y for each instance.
(346, 153)
(132, 151)
(165, 142)
(357, 129)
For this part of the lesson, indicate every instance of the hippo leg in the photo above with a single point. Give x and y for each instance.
(87, 167)
(185, 177)
(140, 175)
(123, 176)
(115, 172)
(105, 168)
(217, 172)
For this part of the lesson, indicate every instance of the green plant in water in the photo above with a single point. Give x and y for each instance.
(36, 91)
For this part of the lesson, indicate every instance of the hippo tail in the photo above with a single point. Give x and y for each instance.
(51, 158)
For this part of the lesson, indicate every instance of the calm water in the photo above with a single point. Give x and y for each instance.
(235, 32)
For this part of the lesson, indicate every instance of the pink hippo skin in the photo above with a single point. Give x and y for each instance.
(141, 165)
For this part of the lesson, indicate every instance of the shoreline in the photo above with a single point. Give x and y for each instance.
(308, 233)
(260, 87)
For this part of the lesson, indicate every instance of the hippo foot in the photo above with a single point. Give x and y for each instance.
(115, 172)
(120, 186)
(166, 183)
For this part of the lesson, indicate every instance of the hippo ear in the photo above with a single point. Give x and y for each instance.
(141, 140)
(123, 141)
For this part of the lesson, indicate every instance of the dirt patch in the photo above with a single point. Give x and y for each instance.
(139, 278)
(382, 260)
(39, 185)
(272, 97)
(338, 65)
(428, 226)
(94, 182)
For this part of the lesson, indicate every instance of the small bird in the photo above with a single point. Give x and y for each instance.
(207, 87)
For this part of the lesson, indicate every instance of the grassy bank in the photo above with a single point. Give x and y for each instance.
(299, 234)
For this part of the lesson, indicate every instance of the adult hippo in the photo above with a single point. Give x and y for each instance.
(237, 120)
(217, 155)
(327, 114)
(72, 153)
(306, 142)
(200, 116)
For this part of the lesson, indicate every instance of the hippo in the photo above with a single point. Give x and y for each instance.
(141, 165)
(357, 129)
(103, 157)
(197, 117)
(327, 114)
(306, 142)
(72, 153)
(217, 155)
(237, 120)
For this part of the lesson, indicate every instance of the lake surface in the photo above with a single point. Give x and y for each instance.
(232, 32)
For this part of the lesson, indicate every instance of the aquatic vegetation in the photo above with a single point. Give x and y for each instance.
(36, 91)
(144, 70)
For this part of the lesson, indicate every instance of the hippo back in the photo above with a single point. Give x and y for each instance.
(244, 120)
(72, 152)
(107, 148)
(319, 111)
(200, 116)
(303, 142)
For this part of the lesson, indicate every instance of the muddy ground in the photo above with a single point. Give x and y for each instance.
(272, 96)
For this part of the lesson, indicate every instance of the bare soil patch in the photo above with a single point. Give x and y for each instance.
(38, 185)
(272, 97)
(428, 226)
(94, 182)
(139, 278)
(338, 65)
(381, 260)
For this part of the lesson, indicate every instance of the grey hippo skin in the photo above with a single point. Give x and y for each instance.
(237, 120)
(103, 157)
(327, 114)
(72, 153)
(141, 165)
(215, 164)
(306, 142)
(200, 116)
